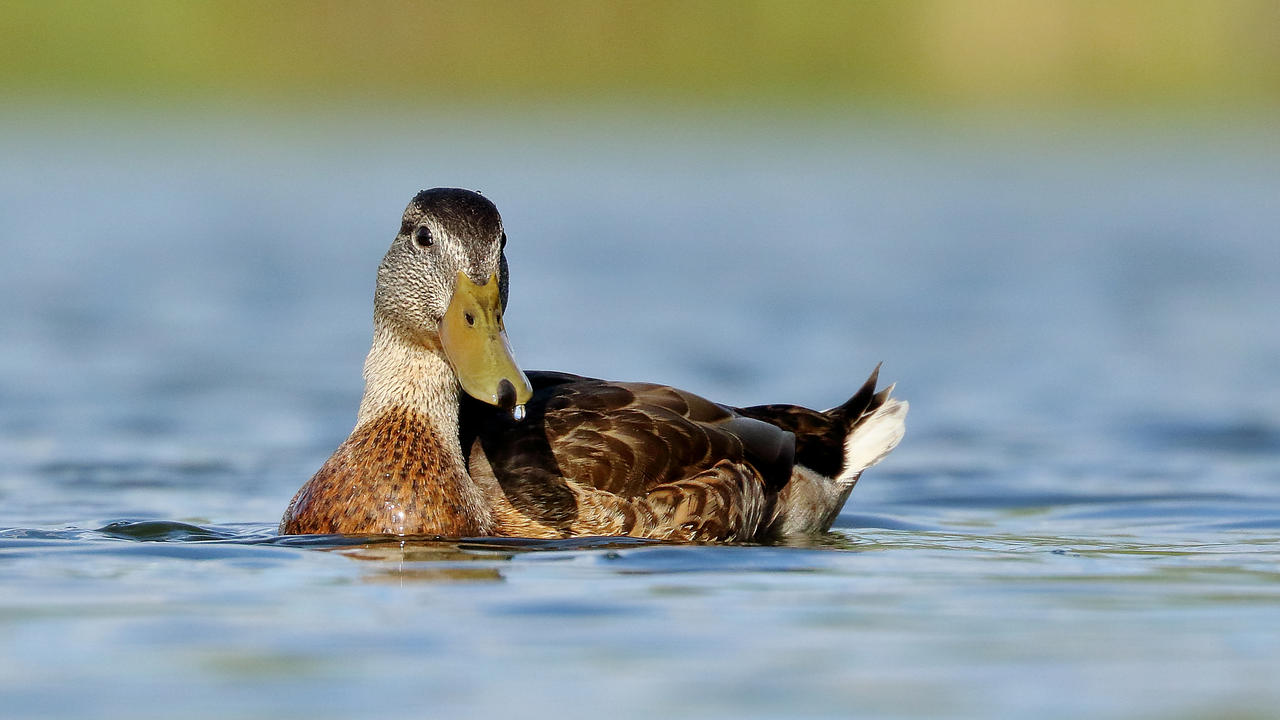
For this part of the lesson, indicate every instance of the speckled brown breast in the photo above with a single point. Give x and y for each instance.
(394, 475)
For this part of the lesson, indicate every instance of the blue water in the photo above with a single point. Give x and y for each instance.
(1083, 520)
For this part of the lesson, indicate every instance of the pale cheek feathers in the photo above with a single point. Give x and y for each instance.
(410, 296)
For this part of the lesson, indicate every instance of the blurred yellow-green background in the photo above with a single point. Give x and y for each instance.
(1189, 54)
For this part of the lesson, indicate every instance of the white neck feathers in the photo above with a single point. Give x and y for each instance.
(400, 375)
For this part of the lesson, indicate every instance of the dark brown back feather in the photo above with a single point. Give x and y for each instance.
(820, 435)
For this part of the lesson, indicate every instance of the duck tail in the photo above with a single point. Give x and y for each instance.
(874, 423)
(833, 447)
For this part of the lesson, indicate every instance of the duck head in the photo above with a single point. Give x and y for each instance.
(442, 286)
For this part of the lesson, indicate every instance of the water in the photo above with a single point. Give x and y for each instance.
(1083, 520)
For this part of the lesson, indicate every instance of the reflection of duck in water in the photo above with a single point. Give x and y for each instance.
(553, 455)
(434, 561)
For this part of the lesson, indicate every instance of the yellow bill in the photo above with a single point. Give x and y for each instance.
(475, 343)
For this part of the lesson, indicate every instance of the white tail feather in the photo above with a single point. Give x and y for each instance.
(873, 439)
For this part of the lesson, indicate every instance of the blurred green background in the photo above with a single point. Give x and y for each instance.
(1179, 54)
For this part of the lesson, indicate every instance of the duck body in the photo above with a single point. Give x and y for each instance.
(595, 457)
(554, 455)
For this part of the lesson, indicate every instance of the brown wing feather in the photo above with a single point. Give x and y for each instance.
(630, 458)
(726, 503)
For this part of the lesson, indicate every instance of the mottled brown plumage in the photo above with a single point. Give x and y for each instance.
(602, 458)
(392, 477)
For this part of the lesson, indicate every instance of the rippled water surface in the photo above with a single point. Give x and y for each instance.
(1083, 520)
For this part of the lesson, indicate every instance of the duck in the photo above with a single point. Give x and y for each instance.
(454, 440)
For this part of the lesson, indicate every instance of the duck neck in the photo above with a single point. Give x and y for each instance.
(404, 377)
(415, 478)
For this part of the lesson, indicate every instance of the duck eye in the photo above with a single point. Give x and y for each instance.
(422, 236)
